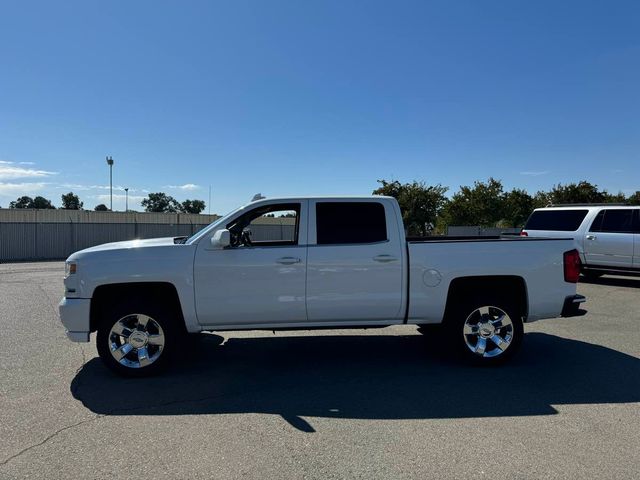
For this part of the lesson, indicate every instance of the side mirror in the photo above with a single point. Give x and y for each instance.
(221, 239)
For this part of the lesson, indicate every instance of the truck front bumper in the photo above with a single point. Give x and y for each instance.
(571, 307)
(74, 314)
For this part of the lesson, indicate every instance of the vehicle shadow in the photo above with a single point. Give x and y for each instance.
(364, 377)
(631, 282)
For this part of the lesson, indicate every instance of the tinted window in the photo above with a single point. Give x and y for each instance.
(618, 221)
(597, 222)
(350, 222)
(556, 220)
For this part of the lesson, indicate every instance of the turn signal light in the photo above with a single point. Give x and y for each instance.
(571, 266)
(70, 269)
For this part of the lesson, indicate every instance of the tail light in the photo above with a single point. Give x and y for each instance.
(571, 266)
(523, 233)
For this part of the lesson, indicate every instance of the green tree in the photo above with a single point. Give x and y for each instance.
(28, 202)
(516, 208)
(22, 202)
(581, 192)
(614, 197)
(192, 206)
(541, 199)
(482, 204)
(101, 208)
(420, 204)
(70, 201)
(634, 199)
(160, 202)
(43, 203)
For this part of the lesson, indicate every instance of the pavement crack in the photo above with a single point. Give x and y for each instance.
(49, 437)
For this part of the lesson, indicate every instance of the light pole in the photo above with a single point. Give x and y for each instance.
(110, 163)
(126, 199)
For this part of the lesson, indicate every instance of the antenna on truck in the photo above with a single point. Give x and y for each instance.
(257, 196)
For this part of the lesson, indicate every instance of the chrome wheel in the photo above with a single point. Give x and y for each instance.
(136, 340)
(488, 331)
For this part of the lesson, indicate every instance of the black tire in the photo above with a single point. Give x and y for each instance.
(162, 323)
(471, 313)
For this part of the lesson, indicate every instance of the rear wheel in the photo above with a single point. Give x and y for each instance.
(137, 339)
(485, 331)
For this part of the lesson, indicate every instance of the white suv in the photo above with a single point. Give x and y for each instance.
(607, 236)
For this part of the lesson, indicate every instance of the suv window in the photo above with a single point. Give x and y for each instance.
(614, 221)
(556, 220)
(350, 222)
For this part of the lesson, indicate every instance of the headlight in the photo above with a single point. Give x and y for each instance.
(70, 268)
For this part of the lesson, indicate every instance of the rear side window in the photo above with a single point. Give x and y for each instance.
(556, 220)
(350, 222)
(613, 221)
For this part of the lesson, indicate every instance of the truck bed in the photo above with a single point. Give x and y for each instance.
(434, 262)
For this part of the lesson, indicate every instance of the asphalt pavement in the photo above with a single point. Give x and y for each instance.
(380, 403)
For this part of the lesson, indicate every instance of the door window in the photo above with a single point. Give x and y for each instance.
(613, 221)
(268, 225)
(350, 222)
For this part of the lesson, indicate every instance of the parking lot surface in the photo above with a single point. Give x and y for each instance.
(381, 403)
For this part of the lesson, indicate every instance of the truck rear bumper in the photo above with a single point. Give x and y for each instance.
(74, 314)
(571, 307)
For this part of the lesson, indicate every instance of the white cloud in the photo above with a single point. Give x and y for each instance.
(16, 189)
(9, 172)
(77, 186)
(26, 163)
(186, 186)
(4, 162)
(535, 173)
(73, 186)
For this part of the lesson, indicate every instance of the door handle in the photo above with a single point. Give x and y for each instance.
(288, 260)
(385, 258)
(591, 237)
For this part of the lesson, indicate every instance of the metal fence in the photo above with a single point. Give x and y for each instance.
(51, 241)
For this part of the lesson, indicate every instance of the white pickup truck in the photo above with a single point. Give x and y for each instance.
(332, 262)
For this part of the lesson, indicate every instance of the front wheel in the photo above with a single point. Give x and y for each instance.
(137, 340)
(486, 332)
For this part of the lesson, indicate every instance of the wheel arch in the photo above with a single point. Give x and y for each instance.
(162, 292)
(509, 286)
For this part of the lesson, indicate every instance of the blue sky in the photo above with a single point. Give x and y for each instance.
(325, 97)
